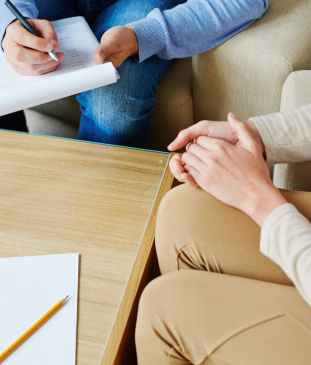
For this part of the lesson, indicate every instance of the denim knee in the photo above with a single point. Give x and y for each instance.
(121, 113)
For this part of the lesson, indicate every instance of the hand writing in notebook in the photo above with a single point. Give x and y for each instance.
(27, 53)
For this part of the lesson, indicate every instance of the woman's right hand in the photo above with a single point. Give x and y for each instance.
(218, 130)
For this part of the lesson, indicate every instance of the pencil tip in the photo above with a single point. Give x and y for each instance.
(65, 299)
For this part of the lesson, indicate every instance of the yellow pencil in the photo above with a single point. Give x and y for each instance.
(33, 329)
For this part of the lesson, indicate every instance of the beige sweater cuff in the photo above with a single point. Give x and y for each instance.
(267, 139)
(286, 136)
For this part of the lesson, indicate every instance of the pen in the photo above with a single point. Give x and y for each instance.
(33, 329)
(27, 25)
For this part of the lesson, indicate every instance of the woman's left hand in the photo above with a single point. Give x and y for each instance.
(238, 176)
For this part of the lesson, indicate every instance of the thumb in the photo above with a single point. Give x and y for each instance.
(243, 133)
(107, 47)
(102, 53)
(185, 136)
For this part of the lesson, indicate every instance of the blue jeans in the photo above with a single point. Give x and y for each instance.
(120, 113)
(14, 122)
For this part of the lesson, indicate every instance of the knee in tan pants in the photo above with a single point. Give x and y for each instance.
(194, 317)
(197, 231)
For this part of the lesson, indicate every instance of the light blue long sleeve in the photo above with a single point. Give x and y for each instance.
(194, 27)
(27, 8)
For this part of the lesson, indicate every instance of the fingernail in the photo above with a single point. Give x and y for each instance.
(233, 116)
(48, 47)
(55, 42)
(50, 58)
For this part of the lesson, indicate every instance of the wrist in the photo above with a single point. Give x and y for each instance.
(254, 131)
(134, 48)
(264, 202)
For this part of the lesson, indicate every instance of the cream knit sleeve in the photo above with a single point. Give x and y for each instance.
(286, 136)
(286, 240)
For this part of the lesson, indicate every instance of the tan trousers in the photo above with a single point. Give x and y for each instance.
(250, 315)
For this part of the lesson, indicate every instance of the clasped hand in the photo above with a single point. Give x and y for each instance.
(226, 160)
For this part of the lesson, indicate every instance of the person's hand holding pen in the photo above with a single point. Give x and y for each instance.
(27, 53)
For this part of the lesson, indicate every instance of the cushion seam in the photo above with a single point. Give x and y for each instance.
(187, 101)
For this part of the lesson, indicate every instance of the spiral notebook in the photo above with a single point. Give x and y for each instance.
(78, 73)
(29, 288)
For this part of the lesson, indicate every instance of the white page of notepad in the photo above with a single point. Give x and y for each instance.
(78, 72)
(29, 288)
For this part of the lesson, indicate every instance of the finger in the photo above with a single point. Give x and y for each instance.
(99, 57)
(176, 167)
(212, 144)
(187, 135)
(188, 179)
(199, 151)
(47, 31)
(244, 134)
(20, 54)
(23, 71)
(24, 38)
(193, 173)
(46, 71)
(35, 69)
(107, 47)
(192, 160)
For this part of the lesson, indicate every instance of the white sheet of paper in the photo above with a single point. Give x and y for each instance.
(29, 288)
(78, 73)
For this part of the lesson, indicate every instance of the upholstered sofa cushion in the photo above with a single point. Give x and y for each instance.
(246, 74)
(173, 105)
(39, 123)
(66, 109)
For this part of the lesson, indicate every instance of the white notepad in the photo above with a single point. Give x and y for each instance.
(29, 288)
(78, 73)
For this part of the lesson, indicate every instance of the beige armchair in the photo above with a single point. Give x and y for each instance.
(245, 75)
(296, 93)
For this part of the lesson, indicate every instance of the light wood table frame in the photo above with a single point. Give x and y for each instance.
(61, 196)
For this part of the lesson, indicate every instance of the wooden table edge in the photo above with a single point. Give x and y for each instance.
(112, 345)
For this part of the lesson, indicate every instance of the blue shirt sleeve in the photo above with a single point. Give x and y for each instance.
(194, 27)
(27, 8)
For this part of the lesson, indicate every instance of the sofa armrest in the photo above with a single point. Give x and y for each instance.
(296, 93)
(246, 74)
